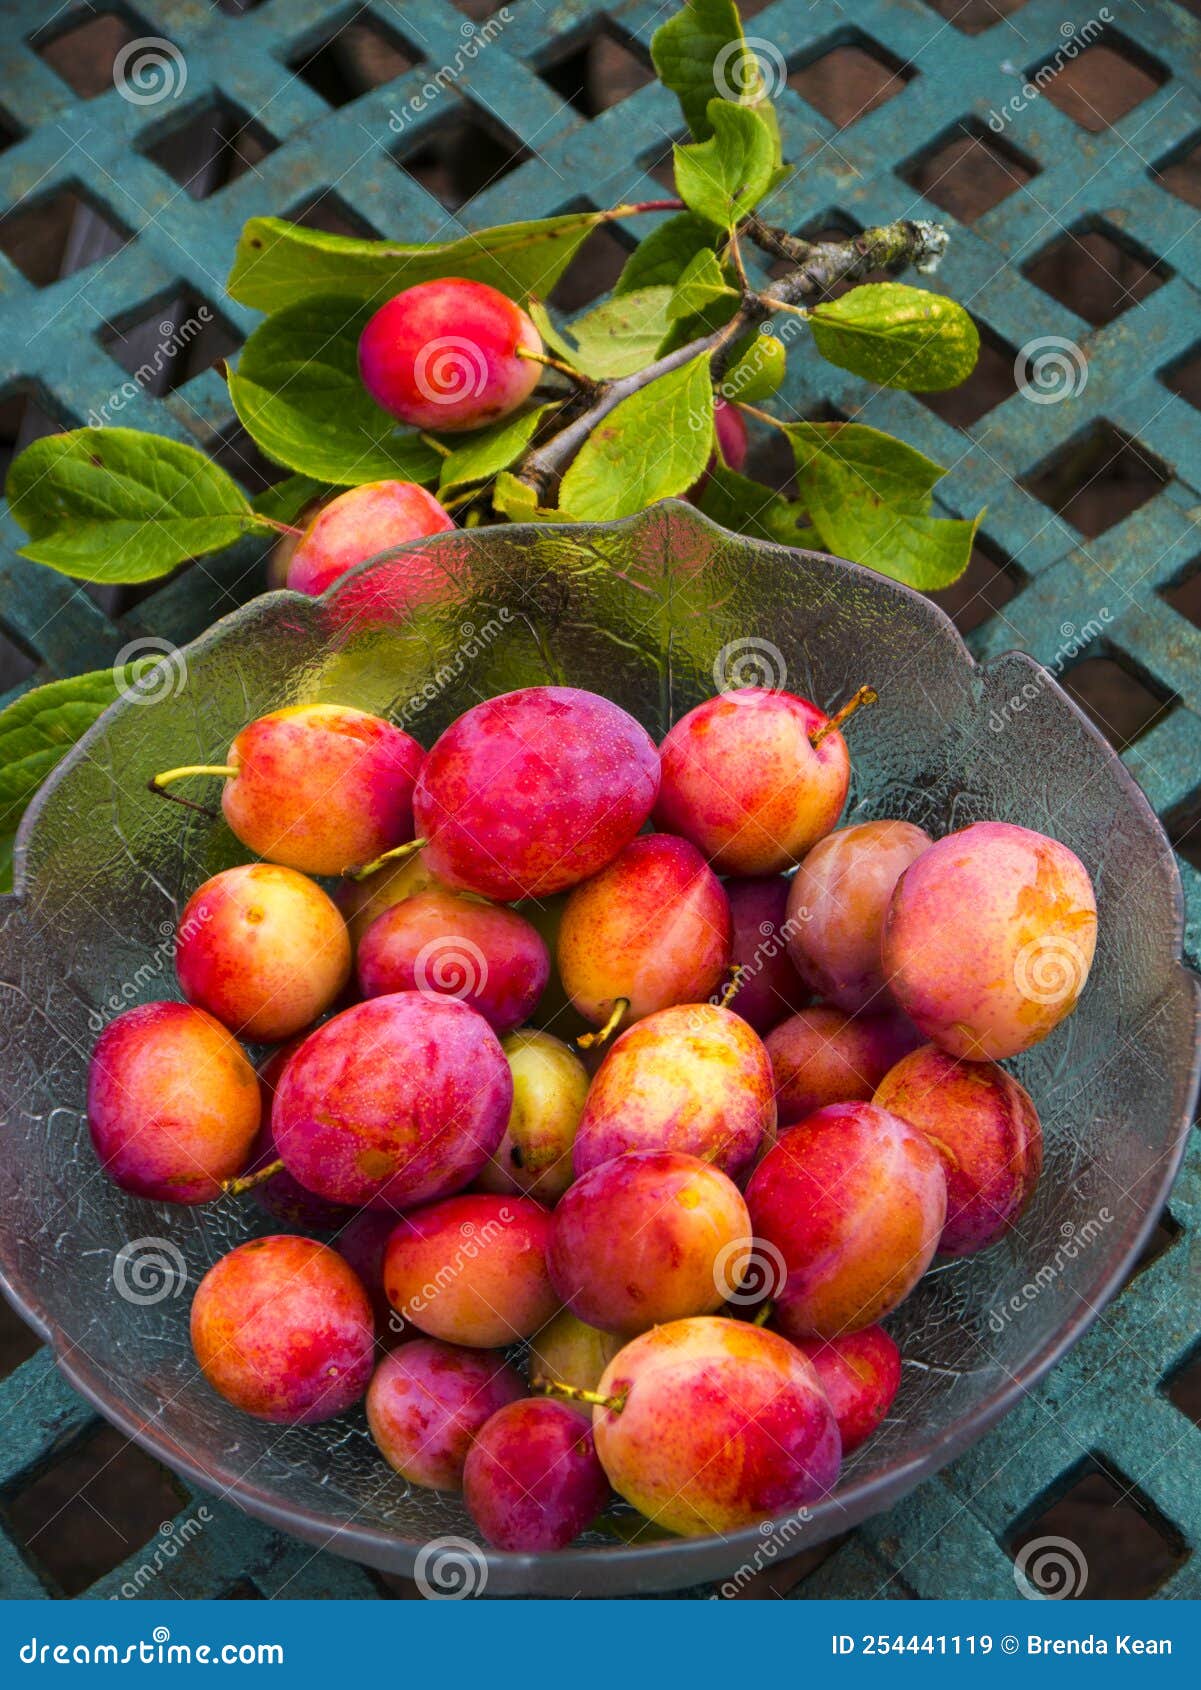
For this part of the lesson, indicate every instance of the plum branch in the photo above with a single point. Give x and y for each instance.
(820, 266)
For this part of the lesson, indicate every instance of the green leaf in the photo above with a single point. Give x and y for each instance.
(725, 177)
(868, 496)
(288, 500)
(279, 264)
(620, 336)
(898, 336)
(489, 450)
(518, 501)
(298, 393)
(652, 445)
(115, 504)
(701, 52)
(701, 285)
(660, 258)
(748, 507)
(756, 368)
(39, 728)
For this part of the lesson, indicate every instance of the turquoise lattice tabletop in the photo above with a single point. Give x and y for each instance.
(1075, 226)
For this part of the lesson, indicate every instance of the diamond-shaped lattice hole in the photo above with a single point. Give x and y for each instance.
(659, 163)
(237, 453)
(17, 1341)
(1184, 377)
(212, 148)
(985, 587)
(1180, 171)
(94, 1506)
(1101, 1539)
(1183, 1387)
(1097, 87)
(1183, 828)
(1096, 273)
(55, 236)
(851, 80)
(1184, 593)
(84, 52)
(362, 54)
(10, 131)
(171, 344)
(969, 171)
(992, 381)
(329, 212)
(27, 412)
(460, 157)
(598, 73)
(242, 1591)
(1097, 479)
(593, 270)
(1167, 1230)
(1122, 705)
(973, 17)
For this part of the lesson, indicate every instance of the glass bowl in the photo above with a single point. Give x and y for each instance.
(657, 612)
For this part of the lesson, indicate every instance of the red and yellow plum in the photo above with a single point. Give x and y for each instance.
(262, 948)
(860, 1373)
(714, 1425)
(393, 1102)
(744, 782)
(533, 791)
(694, 1079)
(450, 945)
(836, 909)
(282, 1329)
(989, 939)
(358, 524)
(646, 1237)
(321, 787)
(173, 1103)
(472, 1270)
(852, 1203)
(446, 355)
(653, 927)
(427, 1402)
(821, 1056)
(532, 1480)
(986, 1129)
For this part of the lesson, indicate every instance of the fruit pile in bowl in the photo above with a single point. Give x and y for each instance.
(637, 1030)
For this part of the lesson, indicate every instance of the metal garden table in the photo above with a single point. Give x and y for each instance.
(1127, 1389)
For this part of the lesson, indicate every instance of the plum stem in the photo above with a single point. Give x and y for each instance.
(560, 364)
(865, 695)
(591, 1041)
(397, 854)
(158, 784)
(247, 1182)
(576, 1393)
(739, 972)
(763, 1314)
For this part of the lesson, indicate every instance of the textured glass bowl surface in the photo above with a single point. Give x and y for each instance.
(649, 611)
